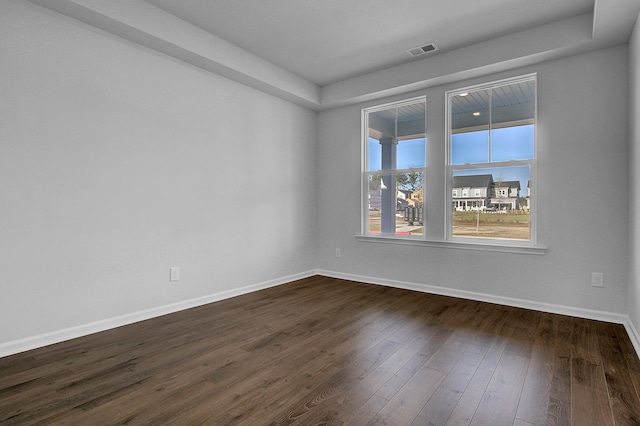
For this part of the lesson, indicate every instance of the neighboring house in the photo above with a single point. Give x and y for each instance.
(505, 195)
(375, 194)
(404, 194)
(475, 192)
(416, 198)
(480, 192)
(471, 192)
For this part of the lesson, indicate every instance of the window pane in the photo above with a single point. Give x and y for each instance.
(374, 154)
(470, 147)
(382, 203)
(381, 129)
(491, 203)
(512, 143)
(495, 124)
(396, 136)
(401, 214)
(512, 119)
(470, 120)
(396, 139)
(470, 110)
(513, 103)
(411, 153)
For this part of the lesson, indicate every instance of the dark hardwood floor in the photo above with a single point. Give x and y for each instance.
(322, 351)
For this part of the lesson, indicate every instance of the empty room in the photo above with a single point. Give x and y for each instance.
(320, 213)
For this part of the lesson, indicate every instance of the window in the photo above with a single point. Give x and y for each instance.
(491, 150)
(490, 169)
(394, 160)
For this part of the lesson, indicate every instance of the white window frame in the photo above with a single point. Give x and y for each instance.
(532, 163)
(430, 238)
(365, 173)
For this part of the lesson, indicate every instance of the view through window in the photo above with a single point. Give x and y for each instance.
(395, 159)
(491, 159)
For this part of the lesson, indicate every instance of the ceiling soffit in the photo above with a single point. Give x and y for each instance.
(145, 24)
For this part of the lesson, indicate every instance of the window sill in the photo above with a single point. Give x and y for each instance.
(502, 248)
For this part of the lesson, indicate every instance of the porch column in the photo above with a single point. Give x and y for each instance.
(388, 199)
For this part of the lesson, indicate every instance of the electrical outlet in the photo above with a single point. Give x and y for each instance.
(338, 252)
(174, 273)
(597, 279)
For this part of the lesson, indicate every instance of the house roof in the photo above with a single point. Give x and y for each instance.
(473, 181)
(509, 184)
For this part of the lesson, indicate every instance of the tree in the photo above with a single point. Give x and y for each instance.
(411, 181)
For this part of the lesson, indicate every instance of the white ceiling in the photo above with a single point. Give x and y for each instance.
(327, 53)
(331, 40)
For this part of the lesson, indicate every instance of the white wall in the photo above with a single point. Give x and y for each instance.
(634, 177)
(583, 145)
(119, 162)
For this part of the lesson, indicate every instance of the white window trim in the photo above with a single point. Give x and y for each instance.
(492, 245)
(532, 177)
(461, 245)
(364, 182)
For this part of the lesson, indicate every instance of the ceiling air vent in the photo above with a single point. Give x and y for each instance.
(421, 50)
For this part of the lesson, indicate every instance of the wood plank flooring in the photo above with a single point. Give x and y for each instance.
(323, 351)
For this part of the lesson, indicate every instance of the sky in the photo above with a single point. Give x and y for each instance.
(410, 153)
(511, 143)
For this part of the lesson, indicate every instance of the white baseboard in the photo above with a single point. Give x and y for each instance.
(58, 336)
(500, 300)
(633, 334)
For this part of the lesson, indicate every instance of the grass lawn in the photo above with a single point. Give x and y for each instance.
(493, 218)
(508, 225)
(515, 226)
